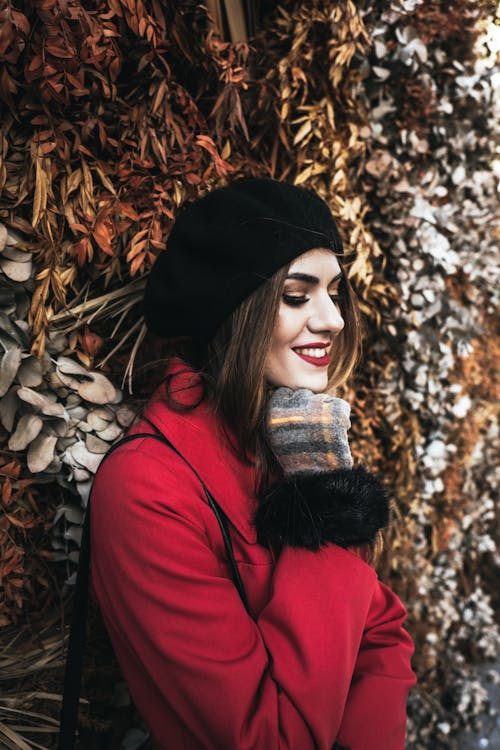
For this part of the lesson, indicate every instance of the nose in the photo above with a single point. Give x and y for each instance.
(326, 317)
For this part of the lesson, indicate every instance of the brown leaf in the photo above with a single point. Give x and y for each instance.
(40, 199)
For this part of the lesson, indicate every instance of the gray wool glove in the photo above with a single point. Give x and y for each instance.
(321, 498)
(308, 431)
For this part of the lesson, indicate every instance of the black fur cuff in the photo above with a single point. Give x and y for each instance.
(344, 506)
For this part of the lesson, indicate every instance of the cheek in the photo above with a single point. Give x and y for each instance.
(287, 327)
(279, 350)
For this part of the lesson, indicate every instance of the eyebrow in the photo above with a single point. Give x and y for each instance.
(311, 279)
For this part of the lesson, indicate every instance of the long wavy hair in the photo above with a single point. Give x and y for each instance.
(232, 367)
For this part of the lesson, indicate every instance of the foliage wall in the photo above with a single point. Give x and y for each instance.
(114, 113)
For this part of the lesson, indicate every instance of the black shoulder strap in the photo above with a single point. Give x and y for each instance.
(76, 645)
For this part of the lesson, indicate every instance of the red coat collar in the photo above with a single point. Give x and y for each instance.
(198, 436)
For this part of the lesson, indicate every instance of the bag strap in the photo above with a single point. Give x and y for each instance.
(77, 635)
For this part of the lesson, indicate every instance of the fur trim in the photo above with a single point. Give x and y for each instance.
(344, 506)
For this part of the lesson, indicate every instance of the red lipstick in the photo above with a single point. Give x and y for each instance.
(319, 362)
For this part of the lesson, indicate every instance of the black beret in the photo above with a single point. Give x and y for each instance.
(224, 246)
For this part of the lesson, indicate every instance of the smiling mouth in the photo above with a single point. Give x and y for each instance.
(317, 356)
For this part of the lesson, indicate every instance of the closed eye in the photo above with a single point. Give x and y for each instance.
(295, 300)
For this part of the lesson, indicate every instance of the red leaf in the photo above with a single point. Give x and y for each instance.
(137, 263)
(103, 237)
(129, 210)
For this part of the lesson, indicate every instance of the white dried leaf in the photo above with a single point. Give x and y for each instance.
(63, 443)
(84, 489)
(95, 444)
(14, 331)
(27, 429)
(77, 413)
(42, 403)
(74, 533)
(99, 419)
(13, 237)
(92, 386)
(30, 372)
(80, 475)
(118, 397)
(111, 433)
(9, 367)
(12, 252)
(16, 271)
(59, 428)
(72, 514)
(55, 383)
(9, 405)
(380, 48)
(3, 237)
(56, 342)
(381, 73)
(73, 400)
(41, 452)
(379, 164)
(67, 369)
(125, 416)
(78, 455)
(98, 390)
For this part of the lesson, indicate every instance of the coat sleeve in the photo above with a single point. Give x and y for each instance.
(376, 705)
(187, 647)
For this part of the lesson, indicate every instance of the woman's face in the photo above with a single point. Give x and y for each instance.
(308, 320)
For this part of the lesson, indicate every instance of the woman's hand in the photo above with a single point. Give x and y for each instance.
(320, 498)
(308, 431)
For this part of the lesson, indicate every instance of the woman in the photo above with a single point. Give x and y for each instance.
(252, 295)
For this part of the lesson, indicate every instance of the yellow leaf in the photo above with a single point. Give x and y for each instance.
(303, 176)
(303, 131)
(105, 180)
(74, 180)
(40, 199)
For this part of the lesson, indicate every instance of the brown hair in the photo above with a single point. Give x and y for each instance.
(232, 367)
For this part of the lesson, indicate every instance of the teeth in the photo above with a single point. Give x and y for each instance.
(317, 353)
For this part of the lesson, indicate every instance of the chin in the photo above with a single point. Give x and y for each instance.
(297, 375)
(317, 383)
(313, 384)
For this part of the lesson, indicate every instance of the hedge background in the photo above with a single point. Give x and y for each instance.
(116, 111)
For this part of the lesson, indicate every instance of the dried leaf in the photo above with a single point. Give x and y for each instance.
(41, 452)
(111, 433)
(72, 514)
(78, 455)
(30, 372)
(27, 429)
(98, 390)
(41, 189)
(42, 403)
(95, 444)
(9, 405)
(8, 368)
(99, 419)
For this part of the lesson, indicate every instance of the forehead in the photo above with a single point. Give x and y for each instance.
(318, 262)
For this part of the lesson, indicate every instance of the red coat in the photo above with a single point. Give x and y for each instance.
(324, 658)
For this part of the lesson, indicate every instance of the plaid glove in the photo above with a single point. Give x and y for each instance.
(308, 431)
(321, 498)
